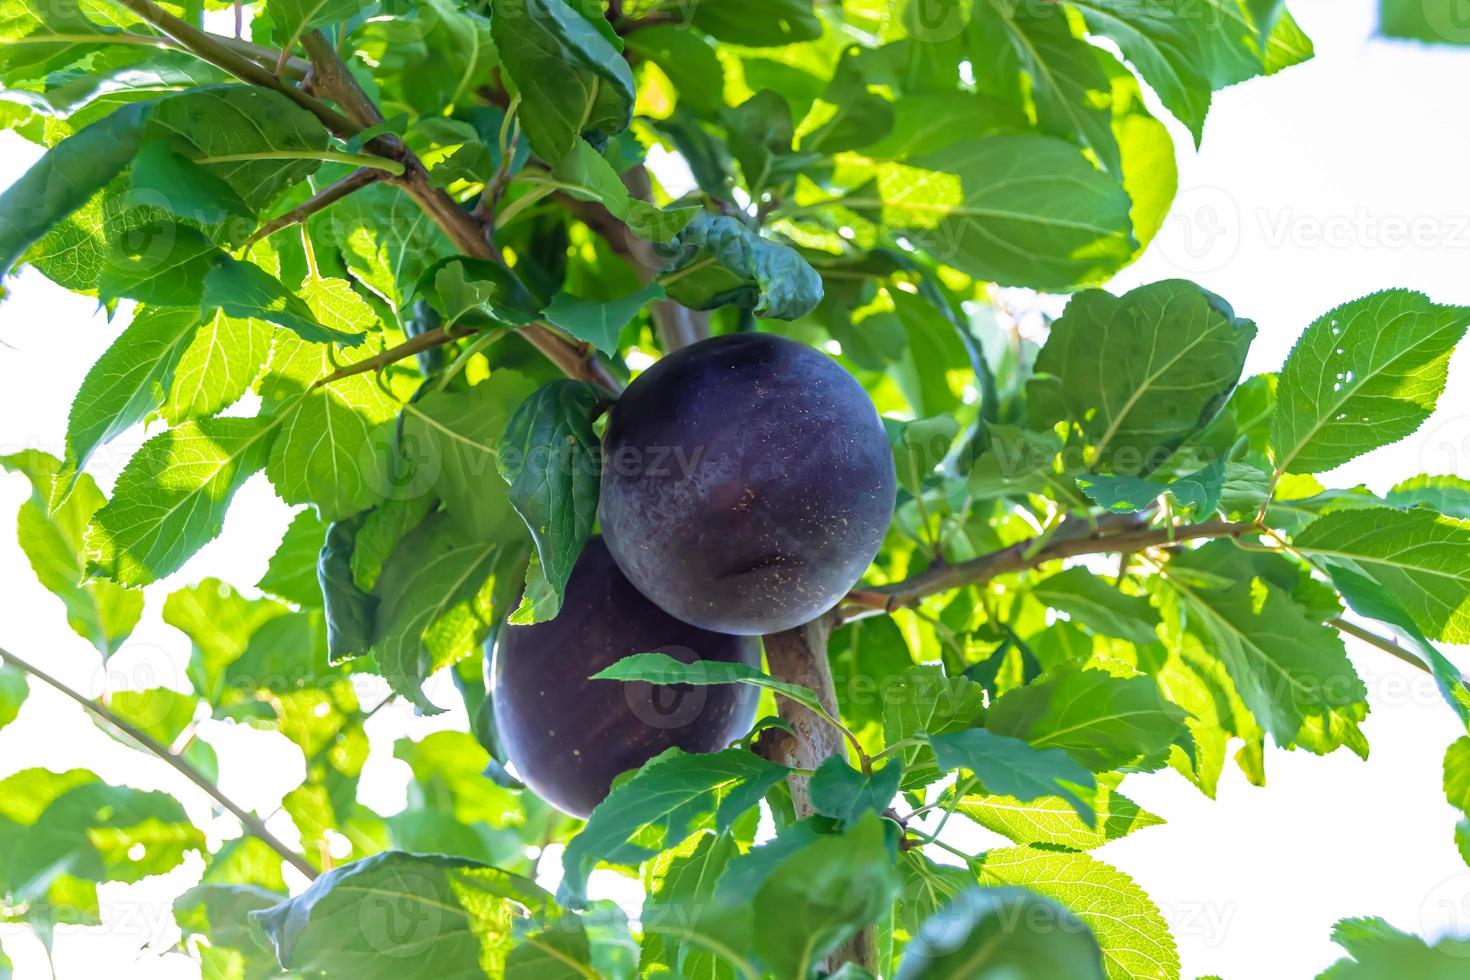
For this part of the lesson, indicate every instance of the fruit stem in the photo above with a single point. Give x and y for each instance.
(253, 825)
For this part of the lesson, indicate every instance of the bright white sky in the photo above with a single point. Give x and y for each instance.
(1314, 187)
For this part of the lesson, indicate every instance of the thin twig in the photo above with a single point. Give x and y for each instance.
(427, 340)
(331, 78)
(320, 201)
(1024, 555)
(252, 824)
(1383, 643)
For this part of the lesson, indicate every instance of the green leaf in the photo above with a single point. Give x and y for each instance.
(585, 174)
(95, 833)
(1198, 492)
(996, 933)
(1457, 774)
(718, 261)
(1164, 49)
(1420, 558)
(660, 668)
(245, 290)
(919, 446)
(387, 242)
(1133, 935)
(454, 436)
(163, 178)
(1363, 375)
(1011, 767)
(333, 446)
(291, 574)
(65, 178)
(1291, 671)
(157, 711)
(1091, 602)
(290, 19)
(219, 911)
(456, 918)
(549, 456)
(172, 496)
(13, 690)
(434, 607)
(350, 611)
(1173, 354)
(1065, 223)
(660, 805)
(102, 613)
(128, 382)
(599, 322)
(1069, 85)
(1378, 951)
(1368, 597)
(1053, 822)
(822, 894)
(758, 23)
(219, 623)
(160, 262)
(924, 701)
(1448, 495)
(678, 883)
(1102, 721)
(570, 73)
(688, 60)
(217, 367)
(841, 792)
(383, 527)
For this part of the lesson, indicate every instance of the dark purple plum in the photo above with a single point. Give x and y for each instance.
(569, 736)
(747, 483)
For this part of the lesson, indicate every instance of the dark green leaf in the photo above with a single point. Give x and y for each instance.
(717, 261)
(291, 574)
(570, 73)
(64, 179)
(351, 613)
(660, 668)
(1174, 353)
(599, 322)
(841, 792)
(1011, 767)
(245, 290)
(663, 803)
(163, 178)
(822, 894)
(434, 607)
(455, 918)
(1198, 492)
(549, 456)
(1002, 934)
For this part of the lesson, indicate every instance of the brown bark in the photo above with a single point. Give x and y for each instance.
(799, 656)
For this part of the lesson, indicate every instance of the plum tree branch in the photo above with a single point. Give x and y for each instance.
(417, 344)
(329, 77)
(1112, 534)
(320, 201)
(253, 825)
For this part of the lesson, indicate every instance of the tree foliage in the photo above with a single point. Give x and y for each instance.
(399, 258)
